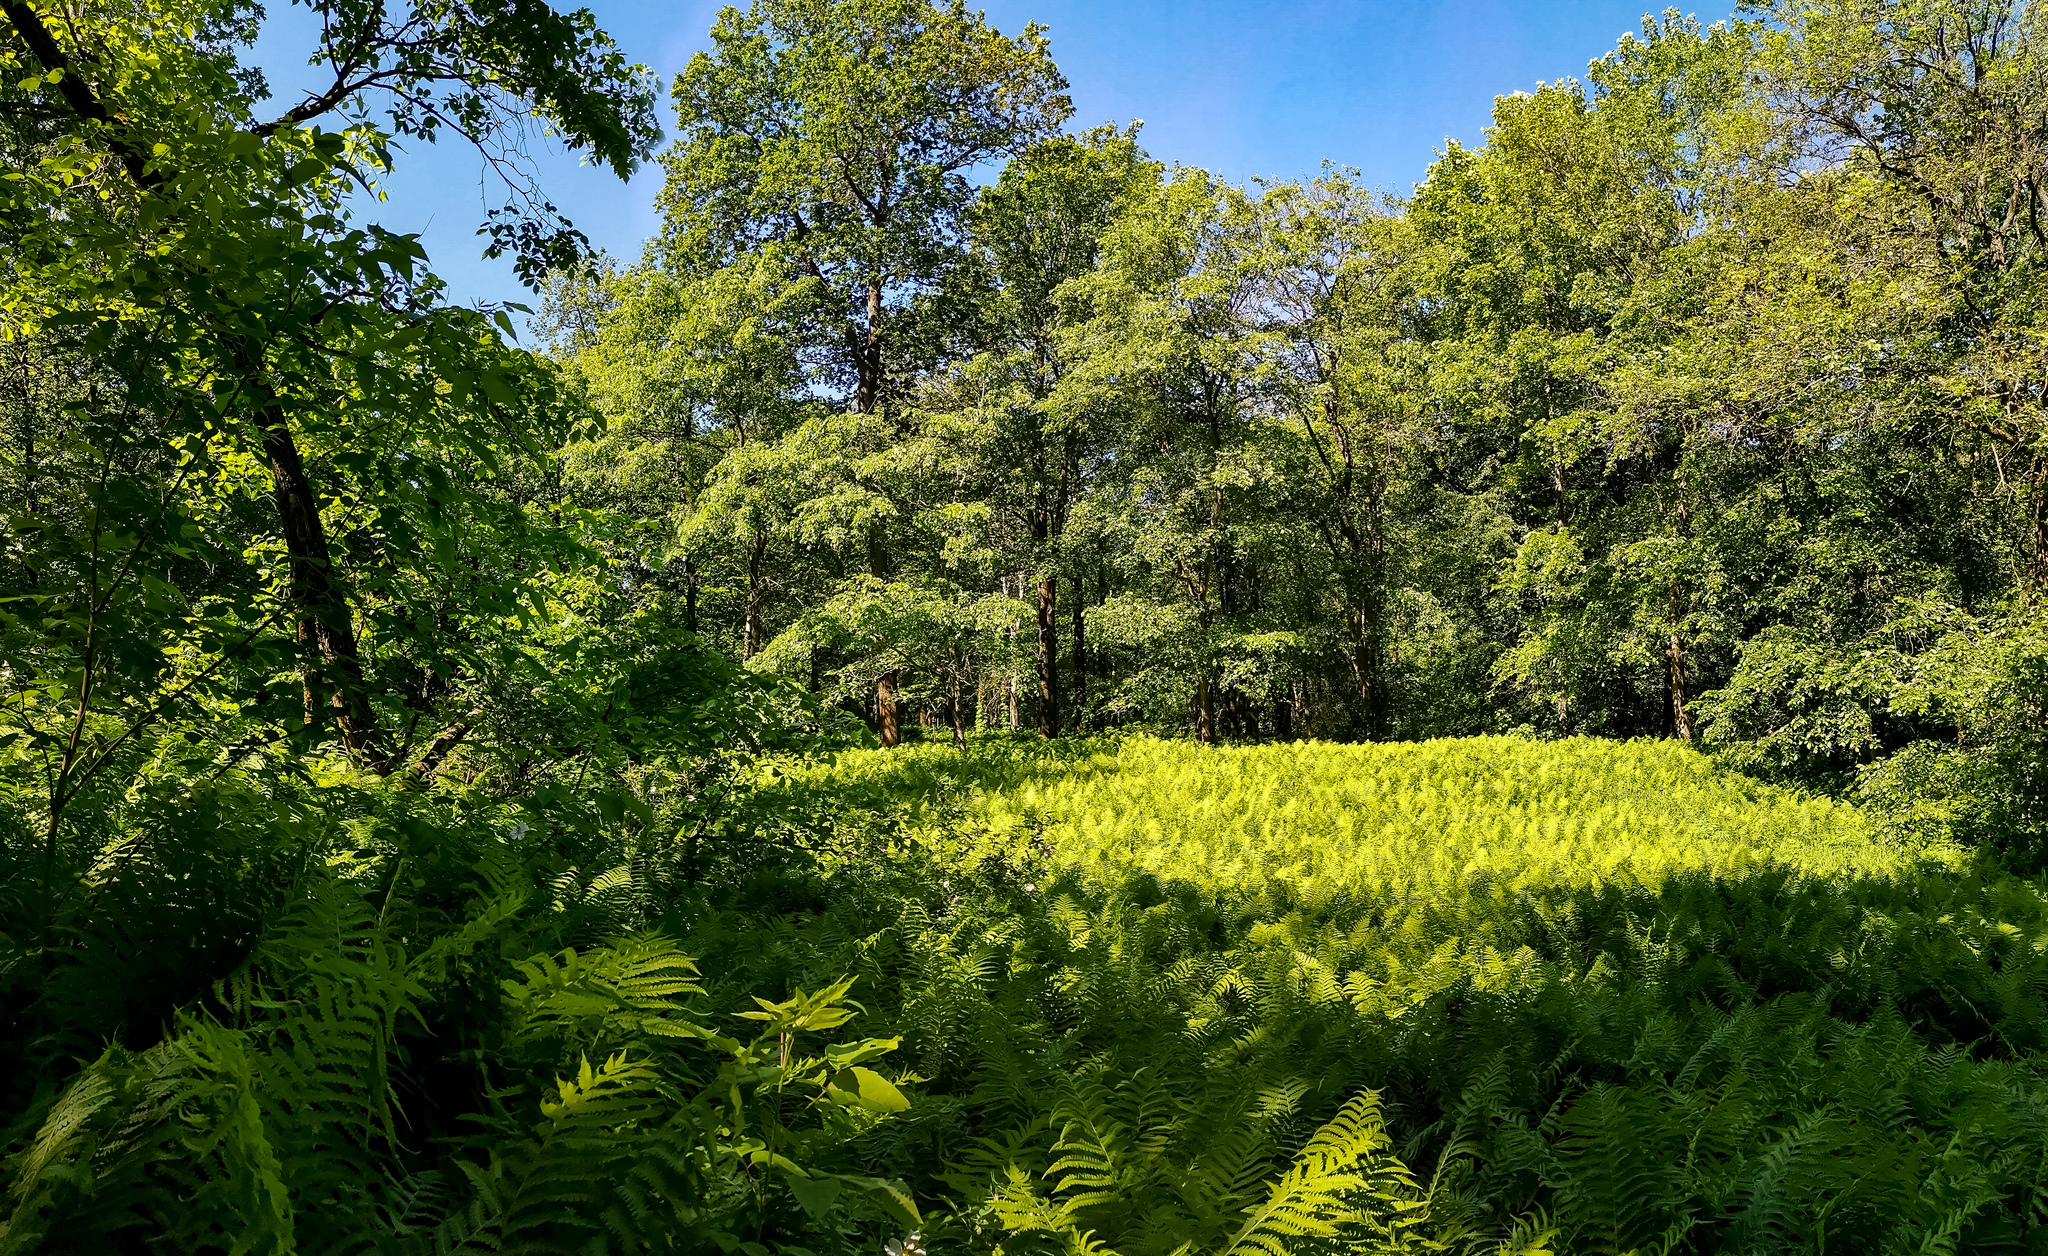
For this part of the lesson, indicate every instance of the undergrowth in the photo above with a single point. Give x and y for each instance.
(1586, 997)
(1120, 997)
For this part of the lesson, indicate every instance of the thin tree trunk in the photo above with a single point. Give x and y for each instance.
(329, 655)
(1080, 659)
(959, 722)
(1010, 636)
(868, 400)
(1048, 657)
(750, 640)
(868, 357)
(1102, 660)
(1681, 722)
(1205, 711)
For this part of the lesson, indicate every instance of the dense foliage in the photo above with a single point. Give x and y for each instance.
(1761, 1026)
(1701, 400)
(455, 797)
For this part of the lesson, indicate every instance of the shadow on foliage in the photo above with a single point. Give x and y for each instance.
(1759, 1062)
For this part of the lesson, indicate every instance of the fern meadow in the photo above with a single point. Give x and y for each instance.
(1428, 819)
(1116, 996)
(1146, 987)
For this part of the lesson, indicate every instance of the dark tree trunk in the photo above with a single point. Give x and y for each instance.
(1371, 662)
(330, 662)
(867, 396)
(1102, 660)
(1010, 634)
(1048, 657)
(1080, 659)
(1674, 657)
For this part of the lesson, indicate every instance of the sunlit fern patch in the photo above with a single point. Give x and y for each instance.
(1605, 997)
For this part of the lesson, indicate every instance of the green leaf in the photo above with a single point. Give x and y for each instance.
(865, 1088)
(847, 1054)
(818, 1195)
(494, 386)
(891, 1194)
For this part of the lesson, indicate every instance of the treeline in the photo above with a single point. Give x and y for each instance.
(1704, 399)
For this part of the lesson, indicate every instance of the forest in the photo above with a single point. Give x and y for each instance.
(992, 692)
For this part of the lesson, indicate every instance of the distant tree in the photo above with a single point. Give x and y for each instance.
(999, 414)
(826, 144)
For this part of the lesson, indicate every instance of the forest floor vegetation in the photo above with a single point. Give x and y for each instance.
(1117, 995)
(1592, 996)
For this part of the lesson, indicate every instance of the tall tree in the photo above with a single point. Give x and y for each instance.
(829, 141)
(1170, 331)
(170, 229)
(1021, 451)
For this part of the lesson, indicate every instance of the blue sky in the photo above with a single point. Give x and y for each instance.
(1243, 89)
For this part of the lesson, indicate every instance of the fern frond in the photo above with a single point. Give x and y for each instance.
(1346, 1175)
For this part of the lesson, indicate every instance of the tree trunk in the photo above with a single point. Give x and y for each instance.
(1205, 711)
(1681, 723)
(1080, 659)
(1371, 662)
(690, 596)
(750, 639)
(1102, 659)
(885, 709)
(959, 721)
(867, 397)
(330, 659)
(1283, 717)
(1010, 636)
(1048, 657)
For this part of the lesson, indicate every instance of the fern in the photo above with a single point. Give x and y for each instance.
(1344, 1182)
